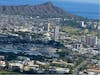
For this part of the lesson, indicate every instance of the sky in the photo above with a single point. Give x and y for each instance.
(80, 1)
(41, 1)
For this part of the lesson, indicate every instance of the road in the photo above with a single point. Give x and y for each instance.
(77, 69)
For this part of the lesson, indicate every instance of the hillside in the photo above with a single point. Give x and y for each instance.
(45, 10)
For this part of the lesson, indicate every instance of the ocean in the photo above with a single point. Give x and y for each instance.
(87, 10)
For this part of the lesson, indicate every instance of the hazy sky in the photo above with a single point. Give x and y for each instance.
(87, 1)
(35, 1)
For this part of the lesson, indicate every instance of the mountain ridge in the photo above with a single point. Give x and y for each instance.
(46, 9)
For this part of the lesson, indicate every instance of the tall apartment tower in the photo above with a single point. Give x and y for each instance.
(56, 33)
(91, 40)
(47, 27)
(83, 24)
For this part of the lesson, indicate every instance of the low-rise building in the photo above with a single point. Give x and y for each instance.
(2, 63)
(16, 66)
(62, 70)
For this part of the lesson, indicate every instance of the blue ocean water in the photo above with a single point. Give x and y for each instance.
(89, 10)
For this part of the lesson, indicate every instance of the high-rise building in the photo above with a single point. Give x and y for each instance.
(83, 39)
(98, 44)
(91, 40)
(98, 26)
(56, 33)
(83, 24)
(47, 27)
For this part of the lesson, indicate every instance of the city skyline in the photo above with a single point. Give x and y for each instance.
(49, 37)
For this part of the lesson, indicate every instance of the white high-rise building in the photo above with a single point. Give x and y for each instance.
(99, 27)
(56, 33)
(48, 27)
(83, 24)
